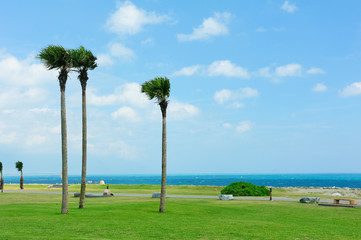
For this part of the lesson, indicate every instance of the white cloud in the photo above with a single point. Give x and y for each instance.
(30, 128)
(7, 137)
(129, 20)
(278, 29)
(125, 113)
(36, 139)
(236, 105)
(290, 8)
(104, 60)
(274, 29)
(222, 96)
(22, 98)
(55, 129)
(147, 42)
(241, 127)
(225, 95)
(23, 73)
(315, 70)
(123, 149)
(228, 69)
(264, 72)
(227, 125)
(245, 126)
(351, 90)
(289, 70)
(261, 29)
(217, 68)
(128, 93)
(187, 71)
(118, 50)
(319, 87)
(178, 110)
(212, 26)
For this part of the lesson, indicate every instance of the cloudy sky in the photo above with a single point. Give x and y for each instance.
(256, 86)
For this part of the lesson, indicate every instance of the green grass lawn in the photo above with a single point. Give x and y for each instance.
(142, 189)
(37, 216)
(149, 189)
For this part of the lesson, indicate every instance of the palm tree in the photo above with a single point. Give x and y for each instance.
(19, 166)
(83, 60)
(57, 57)
(159, 88)
(2, 180)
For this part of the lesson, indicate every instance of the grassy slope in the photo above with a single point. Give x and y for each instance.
(37, 216)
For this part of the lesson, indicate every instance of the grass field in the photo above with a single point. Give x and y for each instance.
(37, 216)
(142, 189)
(149, 189)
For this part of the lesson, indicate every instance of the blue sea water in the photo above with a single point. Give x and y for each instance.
(275, 180)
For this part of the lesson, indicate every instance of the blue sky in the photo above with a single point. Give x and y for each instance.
(256, 86)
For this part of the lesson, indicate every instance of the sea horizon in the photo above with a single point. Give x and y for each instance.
(351, 180)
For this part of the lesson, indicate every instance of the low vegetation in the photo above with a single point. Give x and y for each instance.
(245, 189)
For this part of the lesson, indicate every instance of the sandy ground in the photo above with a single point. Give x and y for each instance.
(333, 191)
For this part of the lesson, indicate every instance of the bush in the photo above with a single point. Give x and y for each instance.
(245, 189)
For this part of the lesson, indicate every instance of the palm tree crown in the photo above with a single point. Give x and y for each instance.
(1, 167)
(19, 166)
(83, 60)
(158, 88)
(57, 57)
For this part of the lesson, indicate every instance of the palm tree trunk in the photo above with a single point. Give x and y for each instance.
(164, 163)
(64, 155)
(84, 152)
(21, 181)
(2, 183)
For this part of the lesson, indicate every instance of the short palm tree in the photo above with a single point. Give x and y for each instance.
(2, 180)
(83, 60)
(19, 166)
(57, 57)
(159, 88)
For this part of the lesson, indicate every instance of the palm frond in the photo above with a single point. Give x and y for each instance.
(1, 166)
(158, 88)
(19, 166)
(55, 57)
(83, 58)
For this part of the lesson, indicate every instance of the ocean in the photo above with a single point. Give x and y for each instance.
(274, 180)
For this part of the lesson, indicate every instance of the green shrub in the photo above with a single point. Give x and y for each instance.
(245, 189)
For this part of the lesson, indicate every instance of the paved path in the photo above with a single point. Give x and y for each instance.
(181, 196)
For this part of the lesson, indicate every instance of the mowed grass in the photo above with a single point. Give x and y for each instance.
(37, 216)
(141, 189)
(149, 189)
